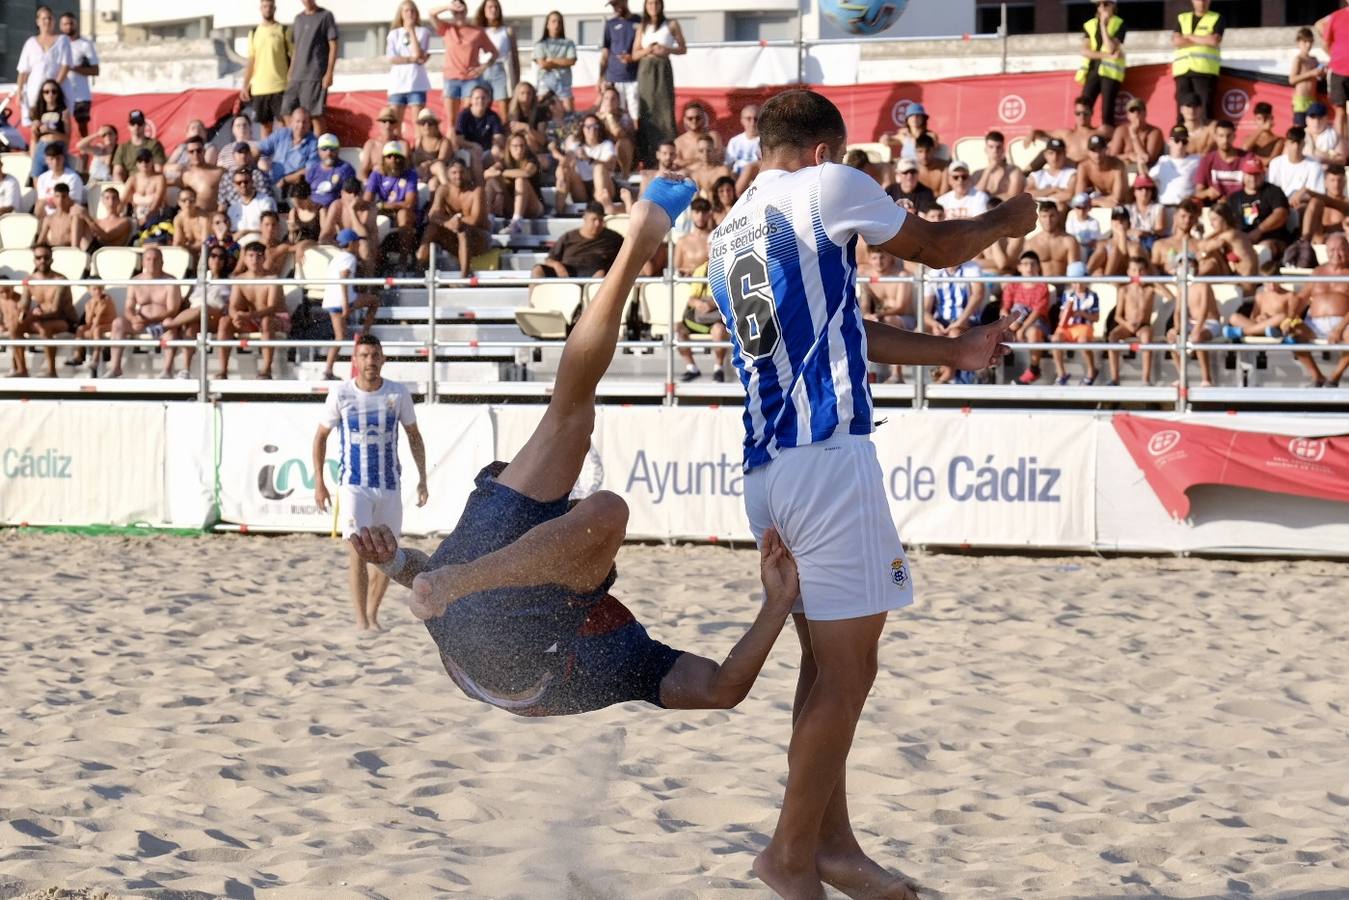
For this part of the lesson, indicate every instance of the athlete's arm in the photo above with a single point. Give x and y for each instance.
(976, 349)
(320, 450)
(939, 245)
(418, 448)
(378, 545)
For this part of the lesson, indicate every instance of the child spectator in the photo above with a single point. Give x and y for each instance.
(1304, 75)
(1078, 312)
(1031, 302)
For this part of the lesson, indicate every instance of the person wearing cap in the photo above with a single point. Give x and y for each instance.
(962, 201)
(1147, 219)
(314, 35)
(465, 48)
(64, 226)
(1138, 142)
(408, 47)
(1324, 144)
(1298, 176)
(908, 191)
(1219, 172)
(1054, 181)
(264, 81)
(1198, 41)
(388, 127)
(342, 301)
(457, 219)
(124, 160)
(287, 154)
(617, 67)
(56, 173)
(1261, 210)
(903, 143)
(326, 173)
(999, 178)
(658, 38)
(1102, 70)
(1174, 173)
(1134, 309)
(245, 213)
(1082, 225)
(1055, 249)
(431, 150)
(1079, 311)
(1100, 176)
(1194, 118)
(392, 191)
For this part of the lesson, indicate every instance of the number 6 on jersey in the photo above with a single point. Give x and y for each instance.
(751, 295)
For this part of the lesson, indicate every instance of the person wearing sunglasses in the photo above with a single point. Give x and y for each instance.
(201, 174)
(742, 151)
(47, 312)
(962, 201)
(392, 191)
(246, 212)
(697, 123)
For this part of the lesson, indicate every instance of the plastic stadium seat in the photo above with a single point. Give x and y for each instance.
(314, 264)
(70, 262)
(634, 299)
(1023, 151)
(16, 263)
(552, 307)
(177, 261)
(970, 150)
(18, 230)
(876, 152)
(116, 263)
(20, 165)
(1228, 297)
(656, 306)
(617, 222)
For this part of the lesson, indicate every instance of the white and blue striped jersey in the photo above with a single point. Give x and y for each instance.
(782, 267)
(953, 297)
(1077, 309)
(367, 424)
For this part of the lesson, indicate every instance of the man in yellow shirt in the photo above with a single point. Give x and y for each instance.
(269, 50)
(1198, 41)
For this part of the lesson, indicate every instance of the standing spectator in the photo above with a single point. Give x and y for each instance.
(999, 178)
(1306, 72)
(124, 160)
(960, 202)
(1324, 143)
(99, 149)
(265, 73)
(504, 73)
(1296, 175)
(618, 127)
(1198, 41)
(477, 128)
(1219, 173)
(742, 151)
(908, 191)
(658, 38)
(464, 46)
(314, 34)
(56, 173)
(1261, 210)
(1138, 142)
(289, 152)
(45, 55)
(1054, 181)
(554, 56)
(617, 64)
(83, 66)
(1175, 172)
(393, 192)
(245, 213)
(1102, 69)
(1334, 31)
(408, 48)
(1102, 177)
(51, 123)
(327, 173)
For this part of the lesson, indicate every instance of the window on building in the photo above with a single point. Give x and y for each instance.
(1145, 16)
(178, 31)
(354, 41)
(587, 33)
(763, 27)
(524, 30)
(1020, 19)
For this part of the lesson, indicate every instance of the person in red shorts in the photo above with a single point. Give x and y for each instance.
(1032, 302)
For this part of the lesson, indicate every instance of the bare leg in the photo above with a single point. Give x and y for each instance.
(120, 329)
(374, 595)
(360, 586)
(339, 334)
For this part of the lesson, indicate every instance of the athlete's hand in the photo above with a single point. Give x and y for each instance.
(982, 347)
(321, 496)
(421, 492)
(375, 545)
(1018, 215)
(428, 599)
(777, 568)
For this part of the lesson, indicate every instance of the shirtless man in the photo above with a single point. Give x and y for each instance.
(1137, 142)
(66, 226)
(148, 311)
(691, 249)
(1325, 212)
(700, 315)
(1205, 325)
(351, 210)
(1102, 177)
(45, 311)
(96, 320)
(1167, 251)
(1111, 254)
(1076, 137)
(1269, 314)
(696, 126)
(1323, 309)
(201, 176)
(277, 248)
(708, 166)
(1227, 250)
(372, 154)
(665, 162)
(1133, 319)
(890, 303)
(457, 218)
(931, 170)
(192, 224)
(999, 178)
(1055, 247)
(254, 308)
(113, 228)
(1201, 129)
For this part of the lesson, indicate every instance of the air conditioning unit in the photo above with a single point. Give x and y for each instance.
(108, 15)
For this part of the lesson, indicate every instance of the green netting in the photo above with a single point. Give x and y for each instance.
(135, 528)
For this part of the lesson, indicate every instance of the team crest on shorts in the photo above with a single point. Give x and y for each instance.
(899, 572)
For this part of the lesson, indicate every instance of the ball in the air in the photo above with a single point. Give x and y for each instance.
(863, 16)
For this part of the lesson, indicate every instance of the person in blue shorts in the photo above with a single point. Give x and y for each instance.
(517, 598)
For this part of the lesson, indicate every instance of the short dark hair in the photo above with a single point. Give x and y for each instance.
(996, 136)
(194, 139)
(799, 119)
(925, 141)
(1263, 109)
(1225, 124)
(1139, 260)
(1191, 206)
(1335, 169)
(351, 186)
(269, 214)
(1305, 34)
(1029, 254)
(301, 189)
(856, 159)
(255, 247)
(1297, 134)
(1084, 100)
(368, 340)
(700, 204)
(593, 207)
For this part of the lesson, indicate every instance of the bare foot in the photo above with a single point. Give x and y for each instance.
(861, 878)
(375, 626)
(788, 883)
(220, 376)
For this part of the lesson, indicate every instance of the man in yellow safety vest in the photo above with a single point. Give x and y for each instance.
(1198, 40)
(1102, 69)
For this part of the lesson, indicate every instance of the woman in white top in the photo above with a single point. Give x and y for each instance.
(503, 74)
(408, 48)
(46, 55)
(586, 166)
(658, 38)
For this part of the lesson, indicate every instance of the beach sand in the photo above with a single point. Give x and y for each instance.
(197, 717)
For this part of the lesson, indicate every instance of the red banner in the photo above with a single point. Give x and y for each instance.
(958, 107)
(1175, 456)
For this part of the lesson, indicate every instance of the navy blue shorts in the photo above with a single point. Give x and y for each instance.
(543, 650)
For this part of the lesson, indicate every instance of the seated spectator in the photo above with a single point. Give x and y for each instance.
(1111, 255)
(1175, 172)
(278, 252)
(192, 224)
(690, 251)
(1219, 174)
(1299, 177)
(585, 169)
(245, 213)
(99, 148)
(904, 144)
(665, 162)
(1269, 314)
(1322, 311)
(723, 198)
(241, 132)
(1102, 177)
(697, 124)
(1261, 211)
(858, 159)
(124, 160)
(1082, 226)
(457, 219)
(431, 151)
(701, 316)
(95, 321)
(554, 57)
(1138, 142)
(304, 222)
(743, 152)
(342, 301)
(999, 178)
(201, 174)
(1325, 211)
(931, 170)
(11, 195)
(220, 263)
(388, 128)
(11, 139)
(222, 237)
(1079, 309)
(56, 173)
(51, 124)
(352, 211)
(478, 128)
(1147, 221)
(392, 192)
(286, 154)
(960, 202)
(241, 161)
(326, 174)
(709, 167)
(181, 157)
(1031, 302)
(526, 116)
(1167, 251)
(1133, 318)
(950, 308)
(513, 185)
(1055, 249)
(586, 252)
(149, 310)
(148, 190)
(888, 302)
(65, 225)
(46, 312)
(1263, 142)
(254, 309)
(908, 191)
(1056, 179)
(1205, 325)
(1194, 119)
(1323, 142)
(114, 227)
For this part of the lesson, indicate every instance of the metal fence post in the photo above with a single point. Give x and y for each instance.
(670, 333)
(1182, 318)
(203, 332)
(431, 326)
(919, 306)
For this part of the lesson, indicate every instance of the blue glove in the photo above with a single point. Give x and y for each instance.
(671, 195)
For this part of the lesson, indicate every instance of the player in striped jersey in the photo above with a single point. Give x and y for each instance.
(367, 411)
(782, 268)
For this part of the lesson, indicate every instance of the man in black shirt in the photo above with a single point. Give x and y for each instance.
(587, 252)
(908, 191)
(1261, 209)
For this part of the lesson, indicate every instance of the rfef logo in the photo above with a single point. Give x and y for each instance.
(1307, 449)
(1012, 109)
(1235, 102)
(1163, 442)
(1122, 102)
(900, 111)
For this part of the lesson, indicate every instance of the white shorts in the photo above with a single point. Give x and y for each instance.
(827, 500)
(1322, 326)
(363, 507)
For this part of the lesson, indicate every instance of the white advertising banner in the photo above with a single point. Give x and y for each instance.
(267, 478)
(82, 463)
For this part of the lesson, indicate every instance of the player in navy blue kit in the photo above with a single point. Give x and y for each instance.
(782, 267)
(517, 597)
